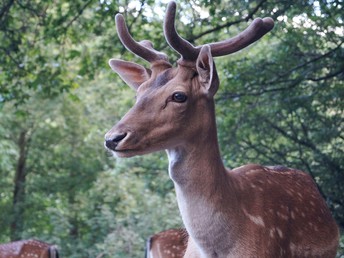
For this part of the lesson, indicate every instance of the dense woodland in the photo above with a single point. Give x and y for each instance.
(280, 101)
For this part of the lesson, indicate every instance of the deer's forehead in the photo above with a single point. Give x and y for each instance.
(159, 82)
(163, 78)
(174, 76)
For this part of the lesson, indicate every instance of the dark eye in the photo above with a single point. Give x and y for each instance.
(179, 97)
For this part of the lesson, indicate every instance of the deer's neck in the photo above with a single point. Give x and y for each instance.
(198, 162)
(196, 165)
(202, 185)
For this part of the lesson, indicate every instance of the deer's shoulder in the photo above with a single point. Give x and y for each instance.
(265, 174)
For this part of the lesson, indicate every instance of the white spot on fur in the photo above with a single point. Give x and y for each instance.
(282, 216)
(252, 171)
(292, 215)
(258, 220)
(272, 233)
(279, 232)
(292, 247)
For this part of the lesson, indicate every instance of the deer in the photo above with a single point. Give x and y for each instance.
(249, 211)
(170, 243)
(28, 248)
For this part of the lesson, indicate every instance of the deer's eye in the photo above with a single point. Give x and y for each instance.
(179, 97)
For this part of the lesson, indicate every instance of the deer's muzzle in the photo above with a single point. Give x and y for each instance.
(111, 143)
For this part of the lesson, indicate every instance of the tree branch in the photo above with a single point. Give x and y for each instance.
(6, 8)
(307, 143)
(326, 77)
(138, 15)
(78, 15)
(292, 82)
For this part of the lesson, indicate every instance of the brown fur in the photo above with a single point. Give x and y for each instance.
(170, 243)
(28, 248)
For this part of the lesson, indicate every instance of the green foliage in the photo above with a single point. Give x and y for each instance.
(280, 102)
(340, 253)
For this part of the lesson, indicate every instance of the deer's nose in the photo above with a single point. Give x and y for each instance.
(112, 143)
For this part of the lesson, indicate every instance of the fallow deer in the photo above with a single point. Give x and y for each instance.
(169, 243)
(250, 211)
(28, 248)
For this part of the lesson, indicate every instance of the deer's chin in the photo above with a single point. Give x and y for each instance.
(125, 153)
(128, 153)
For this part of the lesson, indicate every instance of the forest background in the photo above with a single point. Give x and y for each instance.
(280, 102)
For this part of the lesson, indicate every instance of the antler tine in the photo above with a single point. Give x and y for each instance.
(183, 47)
(257, 29)
(143, 49)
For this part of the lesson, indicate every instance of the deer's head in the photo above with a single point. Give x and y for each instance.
(173, 104)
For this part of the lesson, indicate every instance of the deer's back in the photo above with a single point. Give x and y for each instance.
(282, 210)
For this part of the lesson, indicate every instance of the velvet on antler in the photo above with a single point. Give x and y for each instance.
(257, 29)
(143, 49)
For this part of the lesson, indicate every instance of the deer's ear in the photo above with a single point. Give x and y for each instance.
(133, 74)
(207, 71)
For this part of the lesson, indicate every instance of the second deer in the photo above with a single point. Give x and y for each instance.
(170, 243)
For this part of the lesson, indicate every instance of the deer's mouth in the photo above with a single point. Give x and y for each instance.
(127, 153)
(123, 150)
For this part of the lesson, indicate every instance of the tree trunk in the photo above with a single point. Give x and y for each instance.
(19, 188)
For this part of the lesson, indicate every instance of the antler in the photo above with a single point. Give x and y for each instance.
(257, 29)
(143, 49)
